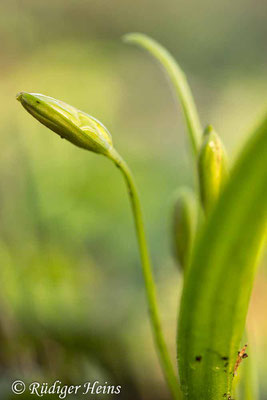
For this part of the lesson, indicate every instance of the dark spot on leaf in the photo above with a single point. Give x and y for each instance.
(37, 101)
(198, 358)
(225, 358)
(226, 364)
(245, 355)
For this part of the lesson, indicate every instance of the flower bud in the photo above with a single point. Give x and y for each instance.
(71, 124)
(212, 168)
(184, 225)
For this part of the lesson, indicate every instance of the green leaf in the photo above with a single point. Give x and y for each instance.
(220, 277)
(179, 81)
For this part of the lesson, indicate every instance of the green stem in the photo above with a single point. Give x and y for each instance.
(179, 81)
(164, 357)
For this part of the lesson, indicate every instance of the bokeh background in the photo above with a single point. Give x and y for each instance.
(72, 303)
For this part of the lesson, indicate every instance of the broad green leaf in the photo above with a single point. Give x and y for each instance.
(178, 80)
(220, 277)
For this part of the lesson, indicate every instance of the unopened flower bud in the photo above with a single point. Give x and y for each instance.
(212, 168)
(68, 122)
(184, 225)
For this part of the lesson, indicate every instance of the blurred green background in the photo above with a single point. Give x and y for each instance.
(72, 301)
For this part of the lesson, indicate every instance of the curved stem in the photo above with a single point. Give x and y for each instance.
(164, 357)
(179, 82)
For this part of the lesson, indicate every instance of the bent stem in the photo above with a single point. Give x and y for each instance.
(161, 346)
(179, 81)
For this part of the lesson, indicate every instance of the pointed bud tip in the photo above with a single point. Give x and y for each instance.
(19, 96)
(209, 128)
